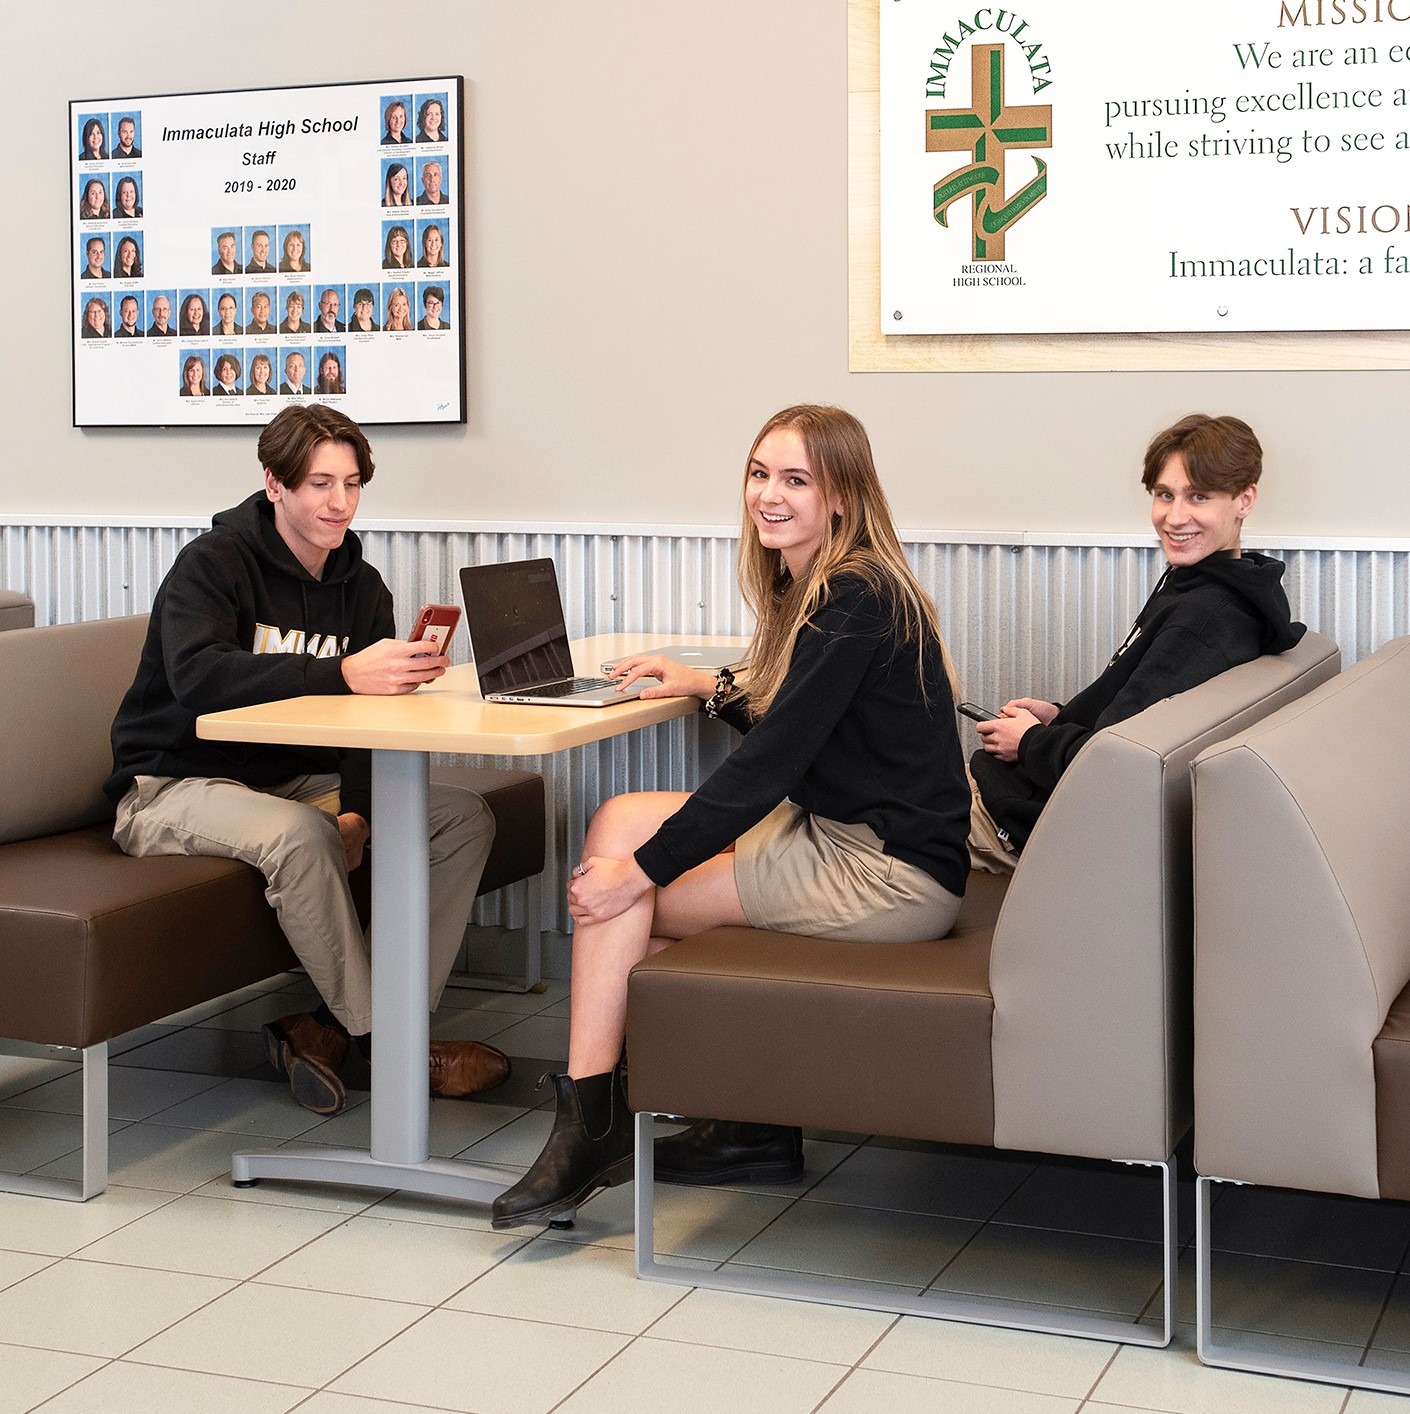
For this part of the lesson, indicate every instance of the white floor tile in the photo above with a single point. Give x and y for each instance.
(60, 1229)
(32, 1376)
(1106, 1200)
(123, 1386)
(33, 1140)
(262, 1108)
(212, 1237)
(864, 1243)
(132, 1093)
(1364, 1401)
(251, 1015)
(543, 1037)
(397, 1261)
(913, 1181)
(472, 1025)
(282, 1193)
(1057, 1269)
(987, 1355)
(458, 1360)
(16, 1266)
(1393, 1332)
(131, 1040)
(1174, 1380)
(521, 1003)
(1311, 1227)
(19, 1073)
(278, 1334)
(1305, 1300)
(437, 1212)
(93, 1309)
(158, 1157)
(869, 1391)
(194, 1015)
(708, 1224)
(455, 1126)
(199, 1051)
(593, 1287)
(768, 1325)
(705, 1379)
(326, 1402)
(518, 1142)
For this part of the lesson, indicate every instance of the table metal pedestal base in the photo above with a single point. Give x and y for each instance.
(313, 1163)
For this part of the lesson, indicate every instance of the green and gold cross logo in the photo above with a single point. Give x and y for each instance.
(987, 129)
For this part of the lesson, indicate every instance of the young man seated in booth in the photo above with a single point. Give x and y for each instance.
(1215, 606)
(276, 601)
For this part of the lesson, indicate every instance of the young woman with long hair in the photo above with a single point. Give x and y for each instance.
(94, 205)
(843, 812)
(127, 260)
(394, 189)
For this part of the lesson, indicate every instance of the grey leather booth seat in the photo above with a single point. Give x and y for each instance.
(1054, 1018)
(16, 609)
(1302, 965)
(94, 944)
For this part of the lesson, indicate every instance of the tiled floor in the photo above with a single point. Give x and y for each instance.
(176, 1292)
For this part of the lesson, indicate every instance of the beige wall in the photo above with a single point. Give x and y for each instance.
(656, 250)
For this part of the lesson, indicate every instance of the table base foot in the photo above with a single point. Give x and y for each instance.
(440, 1178)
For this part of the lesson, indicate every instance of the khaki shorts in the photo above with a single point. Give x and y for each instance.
(988, 849)
(800, 873)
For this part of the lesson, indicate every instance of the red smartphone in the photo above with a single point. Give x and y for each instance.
(435, 624)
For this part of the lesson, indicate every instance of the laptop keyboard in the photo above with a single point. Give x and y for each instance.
(569, 686)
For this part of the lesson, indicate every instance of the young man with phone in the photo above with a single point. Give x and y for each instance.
(1216, 606)
(276, 601)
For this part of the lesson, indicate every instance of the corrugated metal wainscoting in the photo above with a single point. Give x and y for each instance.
(1027, 617)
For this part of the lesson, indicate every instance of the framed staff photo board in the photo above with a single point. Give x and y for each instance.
(230, 251)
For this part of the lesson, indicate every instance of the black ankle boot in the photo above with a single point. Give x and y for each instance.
(580, 1157)
(730, 1151)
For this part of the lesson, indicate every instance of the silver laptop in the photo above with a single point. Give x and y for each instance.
(515, 617)
(707, 656)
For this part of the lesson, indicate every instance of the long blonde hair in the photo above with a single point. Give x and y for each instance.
(858, 540)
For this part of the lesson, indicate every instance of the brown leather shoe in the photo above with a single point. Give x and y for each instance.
(310, 1054)
(302, 1034)
(460, 1068)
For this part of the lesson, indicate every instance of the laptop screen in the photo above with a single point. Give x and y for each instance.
(515, 617)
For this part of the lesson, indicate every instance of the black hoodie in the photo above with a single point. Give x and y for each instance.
(1200, 620)
(238, 621)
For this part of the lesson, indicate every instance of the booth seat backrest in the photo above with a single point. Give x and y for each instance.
(61, 688)
(1302, 839)
(1090, 969)
(16, 609)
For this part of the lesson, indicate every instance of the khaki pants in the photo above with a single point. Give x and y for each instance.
(289, 833)
(987, 851)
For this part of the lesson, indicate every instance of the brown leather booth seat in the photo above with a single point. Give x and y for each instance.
(93, 944)
(776, 1028)
(516, 800)
(1391, 1054)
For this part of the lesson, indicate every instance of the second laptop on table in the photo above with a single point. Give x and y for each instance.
(514, 613)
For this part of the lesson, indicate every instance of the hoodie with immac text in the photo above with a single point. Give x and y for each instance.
(239, 621)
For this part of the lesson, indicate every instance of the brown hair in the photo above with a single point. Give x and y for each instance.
(859, 540)
(287, 445)
(1220, 453)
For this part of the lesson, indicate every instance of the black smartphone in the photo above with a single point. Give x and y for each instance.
(976, 713)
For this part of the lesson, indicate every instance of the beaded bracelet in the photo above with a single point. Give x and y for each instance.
(724, 686)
